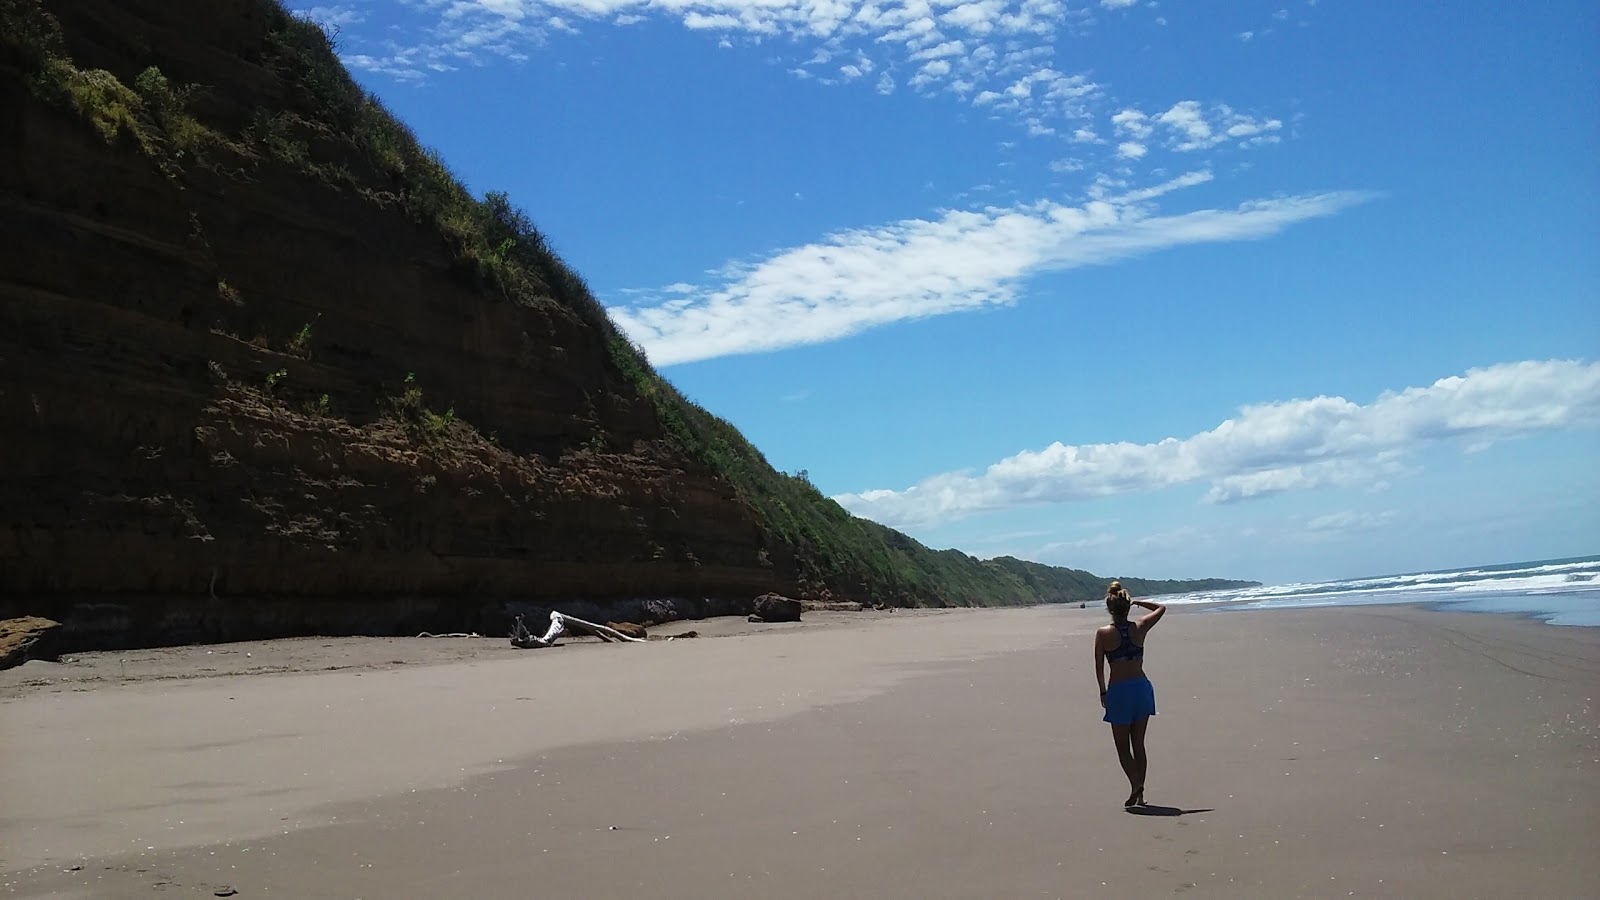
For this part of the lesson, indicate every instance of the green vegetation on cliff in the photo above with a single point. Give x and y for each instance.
(310, 117)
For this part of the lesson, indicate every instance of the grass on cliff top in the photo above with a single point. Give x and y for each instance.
(331, 129)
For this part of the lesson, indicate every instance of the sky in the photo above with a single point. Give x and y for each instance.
(1285, 291)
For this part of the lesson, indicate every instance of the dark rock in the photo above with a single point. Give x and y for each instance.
(29, 637)
(776, 608)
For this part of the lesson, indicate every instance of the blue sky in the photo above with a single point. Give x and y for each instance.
(1284, 291)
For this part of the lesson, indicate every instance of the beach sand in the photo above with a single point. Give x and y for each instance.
(1368, 752)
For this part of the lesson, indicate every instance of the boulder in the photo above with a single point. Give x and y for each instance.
(776, 608)
(29, 637)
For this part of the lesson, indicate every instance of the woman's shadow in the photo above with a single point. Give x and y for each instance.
(1152, 810)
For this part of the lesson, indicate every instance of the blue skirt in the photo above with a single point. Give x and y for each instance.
(1129, 701)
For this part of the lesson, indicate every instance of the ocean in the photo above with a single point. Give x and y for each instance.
(1558, 591)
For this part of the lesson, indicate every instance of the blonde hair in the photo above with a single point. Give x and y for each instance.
(1118, 600)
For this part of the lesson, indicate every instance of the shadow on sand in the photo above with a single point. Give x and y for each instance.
(1152, 810)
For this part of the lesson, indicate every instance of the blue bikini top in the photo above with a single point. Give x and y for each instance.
(1127, 650)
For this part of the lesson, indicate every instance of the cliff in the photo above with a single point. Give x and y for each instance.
(266, 368)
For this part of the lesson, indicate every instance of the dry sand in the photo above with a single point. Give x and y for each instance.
(1373, 752)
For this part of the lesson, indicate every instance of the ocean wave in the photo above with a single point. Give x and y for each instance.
(1545, 577)
(1563, 592)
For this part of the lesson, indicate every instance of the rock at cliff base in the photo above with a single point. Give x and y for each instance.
(776, 608)
(29, 637)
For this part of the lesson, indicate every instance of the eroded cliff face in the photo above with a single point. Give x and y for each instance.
(267, 369)
(208, 426)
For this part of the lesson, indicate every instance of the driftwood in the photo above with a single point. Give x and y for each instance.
(562, 624)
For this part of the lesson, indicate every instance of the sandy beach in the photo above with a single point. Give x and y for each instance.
(1371, 752)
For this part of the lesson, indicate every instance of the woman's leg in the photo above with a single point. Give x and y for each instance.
(1136, 740)
(1121, 734)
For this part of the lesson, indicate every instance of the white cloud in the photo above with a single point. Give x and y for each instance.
(1373, 474)
(1003, 47)
(695, 21)
(1186, 180)
(948, 48)
(1132, 123)
(997, 56)
(1266, 449)
(333, 18)
(977, 18)
(1350, 520)
(1186, 119)
(930, 73)
(863, 278)
(1187, 126)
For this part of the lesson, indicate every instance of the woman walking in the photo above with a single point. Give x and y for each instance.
(1129, 699)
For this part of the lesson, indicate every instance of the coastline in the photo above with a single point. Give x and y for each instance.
(1383, 751)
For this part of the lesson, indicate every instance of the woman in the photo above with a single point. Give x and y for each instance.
(1129, 700)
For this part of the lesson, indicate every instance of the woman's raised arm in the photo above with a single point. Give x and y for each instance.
(1157, 610)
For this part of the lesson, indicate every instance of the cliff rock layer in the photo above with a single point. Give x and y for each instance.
(266, 368)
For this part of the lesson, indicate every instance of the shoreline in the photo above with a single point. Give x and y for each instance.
(95, 669)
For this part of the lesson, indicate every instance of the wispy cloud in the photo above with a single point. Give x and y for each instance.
(1265, 449)
(334, 17)
(1187, 126)
(1347, 521)
(998, 56)
(1372, 474)
(963, 259)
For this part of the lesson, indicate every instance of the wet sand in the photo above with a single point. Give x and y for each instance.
(1372, 752)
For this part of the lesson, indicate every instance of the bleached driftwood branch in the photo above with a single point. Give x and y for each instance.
(561, 624)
